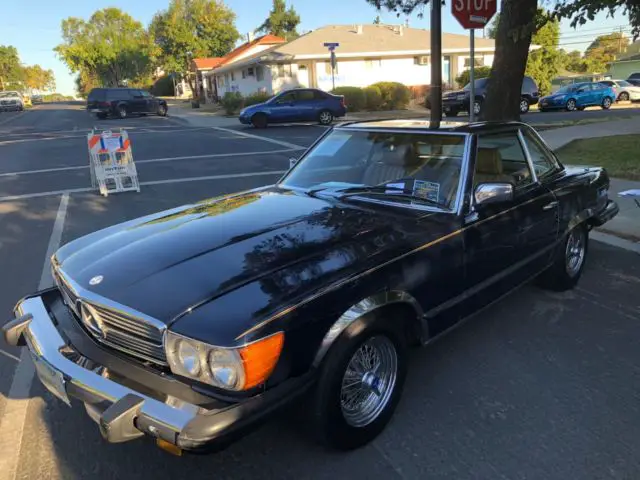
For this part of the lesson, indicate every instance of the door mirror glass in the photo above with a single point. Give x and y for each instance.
(487, 193)
(292, 162)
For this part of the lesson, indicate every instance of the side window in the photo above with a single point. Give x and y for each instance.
(543, 163)
(304, 95)
(286, 98)
(500, 158)
(145, 94)
(319, 95)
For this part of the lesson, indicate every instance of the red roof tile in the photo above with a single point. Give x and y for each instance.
(207, 63)
(264, 40)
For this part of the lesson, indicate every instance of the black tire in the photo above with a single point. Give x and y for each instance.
(559, 276)
(580, 109)
(570, 105)
(542, 110)
(623, 97)
(606, 103)
(330, 423)
(452, 113)
(524, 105)
(325, 117)
(101, 116)
(121, 111)
(162, 110)
(259, 120)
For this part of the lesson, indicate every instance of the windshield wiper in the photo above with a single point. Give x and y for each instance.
(406, 193)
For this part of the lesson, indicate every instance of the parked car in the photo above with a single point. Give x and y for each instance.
(634, 81)
(195, 324)
(458, 101)
(579, 96)
(634, 76)
(624, 90)
(11, 101)
(35, 99)
(297, 105)
(122, 102)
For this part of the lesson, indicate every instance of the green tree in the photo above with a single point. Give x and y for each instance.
(603, 50)
(281, 21)
(513, 39)
(37, 78)
(377, 20)
(10, 69)
(111, 45)
(572, 61)
(191, 29)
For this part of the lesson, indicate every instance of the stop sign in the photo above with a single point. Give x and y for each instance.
(473, 13)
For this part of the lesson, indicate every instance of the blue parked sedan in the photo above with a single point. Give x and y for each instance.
(299, 105)
(578, 96)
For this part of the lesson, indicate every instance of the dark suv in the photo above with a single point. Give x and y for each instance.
(122, 102)
(458, 101)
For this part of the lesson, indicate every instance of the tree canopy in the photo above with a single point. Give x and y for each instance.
(281, 21)
(37, 78)
(111, 46)
(190, 29)
(604, 49)
(10, 70)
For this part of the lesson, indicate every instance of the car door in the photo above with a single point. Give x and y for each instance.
(282, 109)
(151, 102)
(307, 105)
(507, 243)
(137, 102)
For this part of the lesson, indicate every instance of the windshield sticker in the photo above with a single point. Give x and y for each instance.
(428, 190)
(395, 187)
(332, 144)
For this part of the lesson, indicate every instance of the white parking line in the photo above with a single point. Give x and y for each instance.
(12, 198)
(15, 413)
(258, 137)
(152, 160)
(9, 355)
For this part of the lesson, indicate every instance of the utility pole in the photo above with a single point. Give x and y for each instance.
(436, 64)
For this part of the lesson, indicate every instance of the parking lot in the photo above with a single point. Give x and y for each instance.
(538, 386)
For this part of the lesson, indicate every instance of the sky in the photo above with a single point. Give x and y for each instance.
(33, 26)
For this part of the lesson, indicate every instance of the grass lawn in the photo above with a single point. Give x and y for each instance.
(618, 154)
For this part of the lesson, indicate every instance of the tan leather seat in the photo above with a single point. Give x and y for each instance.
(489, 167)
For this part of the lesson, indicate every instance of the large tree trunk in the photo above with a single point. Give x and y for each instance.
(513, 39)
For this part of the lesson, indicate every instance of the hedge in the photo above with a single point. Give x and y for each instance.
(255, 98)
(232, 102)
(373, 98)
(394, 95)
(479, 72)
(354, 97)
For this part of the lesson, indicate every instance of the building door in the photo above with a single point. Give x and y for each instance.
(303, 76)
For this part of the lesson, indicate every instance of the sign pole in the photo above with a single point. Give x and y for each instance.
(472, 99)
(436, 64)
(333, 69)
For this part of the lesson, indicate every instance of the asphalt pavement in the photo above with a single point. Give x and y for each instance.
(538, 386)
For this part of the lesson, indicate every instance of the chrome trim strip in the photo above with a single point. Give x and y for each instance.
(362, 308)
(46, 343)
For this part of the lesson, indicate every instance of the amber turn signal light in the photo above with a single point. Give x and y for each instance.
(260, 358)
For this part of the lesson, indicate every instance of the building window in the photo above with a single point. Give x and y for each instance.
(421, 60)
(370, 63)
(250, 72)
(233, 76)
(244, 73)
(284, 71)
(478, 62)
(259, 74)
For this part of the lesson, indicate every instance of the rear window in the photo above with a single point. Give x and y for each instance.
(97, 95)
(529, 85)
(118, 94)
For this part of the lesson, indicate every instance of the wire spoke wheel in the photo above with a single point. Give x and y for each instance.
(575, 251)
(369, 381)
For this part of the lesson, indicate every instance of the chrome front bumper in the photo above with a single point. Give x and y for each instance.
(128, 414)
(123, 413)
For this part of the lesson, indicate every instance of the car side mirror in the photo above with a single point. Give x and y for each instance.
(581, 90)
(487, 193)
(292, 162)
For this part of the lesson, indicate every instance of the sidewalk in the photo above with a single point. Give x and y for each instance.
(627, 223)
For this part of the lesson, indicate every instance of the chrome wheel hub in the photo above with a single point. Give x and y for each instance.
(369, 381)
(324, 117)
(476, 107)
(523, 106)
(575, 251)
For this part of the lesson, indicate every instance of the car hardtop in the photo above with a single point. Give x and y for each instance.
(424, 126)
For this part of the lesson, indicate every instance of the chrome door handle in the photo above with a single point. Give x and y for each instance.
(550, 205)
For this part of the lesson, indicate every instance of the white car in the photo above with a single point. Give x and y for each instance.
(11, 101)
(624, 90)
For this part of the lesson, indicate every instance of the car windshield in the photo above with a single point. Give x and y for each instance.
(400, 167)
(480, 83)
(569, 88)
(9, 94)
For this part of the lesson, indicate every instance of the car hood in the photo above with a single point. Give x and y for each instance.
(166, 264)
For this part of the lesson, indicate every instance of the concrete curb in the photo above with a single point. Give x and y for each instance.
(615, 241)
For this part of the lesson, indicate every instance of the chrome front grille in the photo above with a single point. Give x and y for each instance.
(131, 333)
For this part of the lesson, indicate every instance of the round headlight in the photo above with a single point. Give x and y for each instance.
(226, 368)
(189, 358)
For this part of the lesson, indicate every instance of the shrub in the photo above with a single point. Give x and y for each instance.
(479, 72)
(373, 98)
(232, 102)
(394, 95)
(255, 98)
(163, 87)
(353, 97)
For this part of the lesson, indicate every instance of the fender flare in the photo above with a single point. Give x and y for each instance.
(365, 306)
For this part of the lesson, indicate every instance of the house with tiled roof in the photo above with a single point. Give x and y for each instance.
(201, 66)
(627, 63)
(366, 54)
